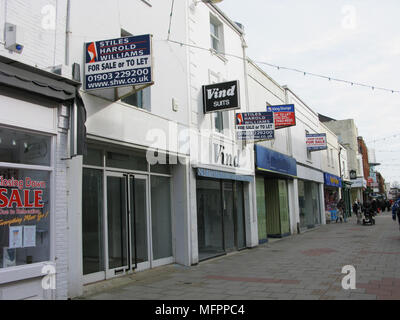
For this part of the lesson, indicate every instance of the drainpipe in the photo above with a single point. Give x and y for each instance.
(4, 21)
(67, 32)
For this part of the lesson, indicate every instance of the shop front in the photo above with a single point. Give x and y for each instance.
(126, 212)
(274, 173)
(35, 108)
(220, 212)
(332, 187)
(310, 191)
(221, 205)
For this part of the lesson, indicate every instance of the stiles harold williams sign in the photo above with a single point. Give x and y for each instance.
(118, 62)
(254, 126)
(221, 97)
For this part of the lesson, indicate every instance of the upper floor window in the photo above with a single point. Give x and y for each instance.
(216, 31)
(140, 99)
(308, 151)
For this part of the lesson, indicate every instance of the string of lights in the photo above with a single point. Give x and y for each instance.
(305, 73)
(385, 138)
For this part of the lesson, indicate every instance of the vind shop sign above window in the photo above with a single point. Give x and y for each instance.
(118, 62)
(221, 97)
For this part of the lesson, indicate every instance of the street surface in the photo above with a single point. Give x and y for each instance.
(306, 267)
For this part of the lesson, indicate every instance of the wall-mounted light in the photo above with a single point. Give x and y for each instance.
(12, 41)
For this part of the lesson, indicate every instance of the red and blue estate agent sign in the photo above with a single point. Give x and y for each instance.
(118, 62)
(284, 115)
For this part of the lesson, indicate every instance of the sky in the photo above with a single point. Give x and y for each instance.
(355, 40)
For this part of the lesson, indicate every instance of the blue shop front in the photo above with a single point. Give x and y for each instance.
(274, 172)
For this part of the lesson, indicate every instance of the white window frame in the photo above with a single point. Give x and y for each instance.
(218, 26)
(34, 270)
(309, 155)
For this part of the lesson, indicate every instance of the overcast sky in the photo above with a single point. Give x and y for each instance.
(356, 40)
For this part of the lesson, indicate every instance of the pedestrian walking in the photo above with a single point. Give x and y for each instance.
(374, 207)
(396, 211)
(356, 211)
(340, 206)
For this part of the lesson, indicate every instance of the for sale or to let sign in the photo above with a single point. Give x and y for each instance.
(118, 62)
(284, 115)
(255, 126)
(316, 142)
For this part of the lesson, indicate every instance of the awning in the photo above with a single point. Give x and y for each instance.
(20, 76)
(271, 161)
(207, 173)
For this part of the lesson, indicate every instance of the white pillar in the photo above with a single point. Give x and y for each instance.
(75, 263)
(193, 217)
(181, 206)
(294, 209)
(250, 202)
(322, 203)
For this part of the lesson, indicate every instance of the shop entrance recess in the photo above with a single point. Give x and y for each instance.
(126, 227)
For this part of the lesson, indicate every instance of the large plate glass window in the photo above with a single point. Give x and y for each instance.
(25, 173)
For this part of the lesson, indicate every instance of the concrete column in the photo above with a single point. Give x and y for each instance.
(74, 202)
(250, 202)
(294, 205)
(181, 212)
(322, 203)
(193, 217)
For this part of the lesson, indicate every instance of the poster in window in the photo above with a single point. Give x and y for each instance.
(15, 237)
(9, 257)
(29, 236)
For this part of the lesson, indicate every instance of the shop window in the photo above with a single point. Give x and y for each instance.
(161, 217)
(209, 218)
(94, 157)
(24, 148)
(131, 160)
(92, 221)
(24, 199)
(162, 168)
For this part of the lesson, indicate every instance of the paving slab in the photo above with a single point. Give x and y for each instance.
(307, 266)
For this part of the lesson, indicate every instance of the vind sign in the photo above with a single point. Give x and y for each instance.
(255, 126)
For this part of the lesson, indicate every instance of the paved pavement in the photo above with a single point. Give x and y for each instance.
(306, 267)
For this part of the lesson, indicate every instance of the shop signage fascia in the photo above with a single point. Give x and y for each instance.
(332, 180)
(285, 115)
(316, 142)
(255, 126)
(120, 62)
(271, 161)
(224, 96)
(225, 158)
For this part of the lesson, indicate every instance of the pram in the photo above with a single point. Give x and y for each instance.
(368, 217)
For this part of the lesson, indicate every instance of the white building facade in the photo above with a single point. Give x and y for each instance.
(309, 185)
(38, 108)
